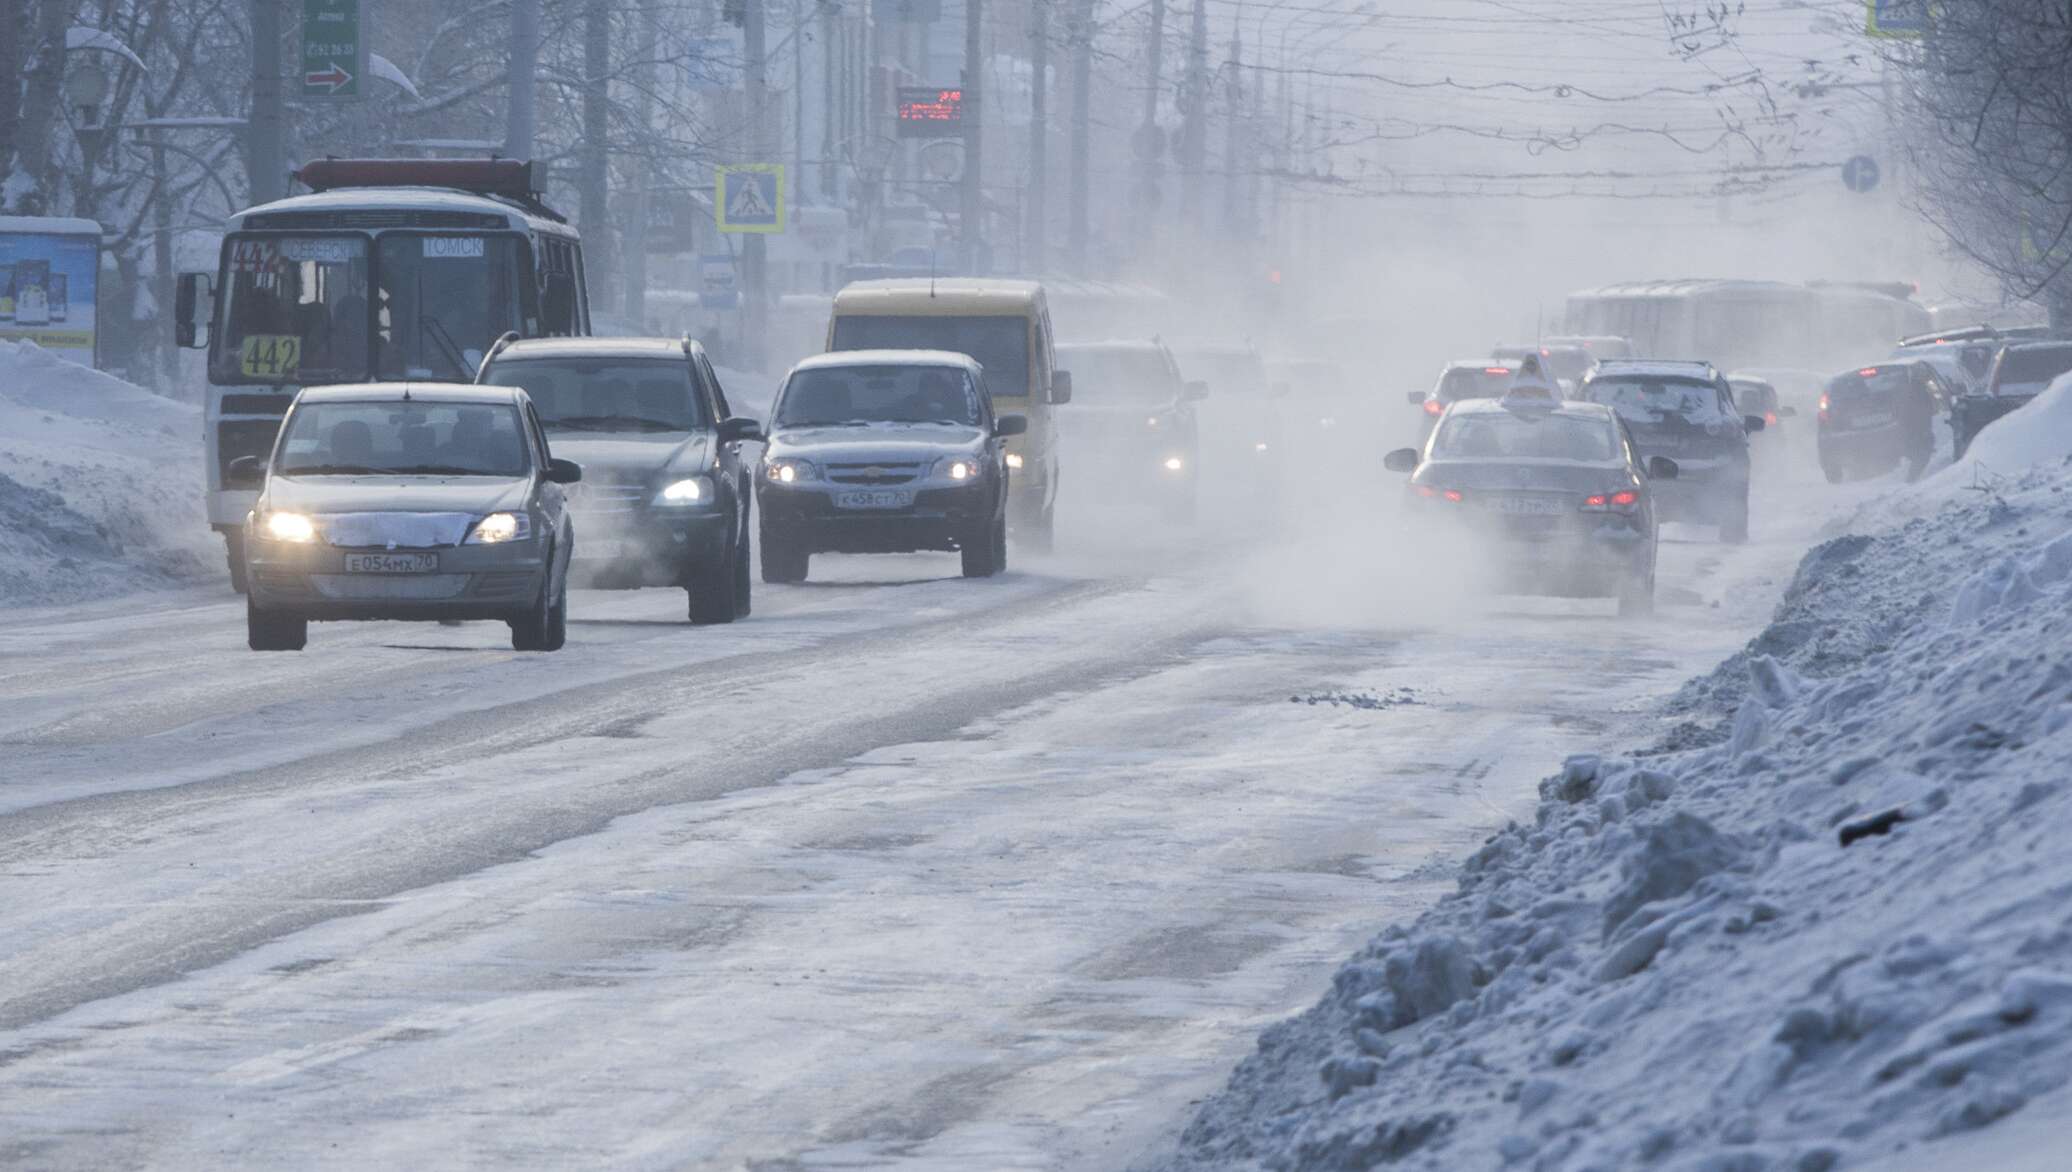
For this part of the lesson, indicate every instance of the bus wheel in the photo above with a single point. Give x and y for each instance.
(234, 551)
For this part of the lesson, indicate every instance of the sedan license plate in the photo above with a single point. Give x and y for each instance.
(1526, 506)
(1871, 419)
(391, 563)
(878, 498)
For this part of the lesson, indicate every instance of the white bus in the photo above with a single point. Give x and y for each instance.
(388, 269)
(1735, 324)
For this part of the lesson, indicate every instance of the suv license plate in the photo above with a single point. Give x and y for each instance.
(391, 563)
(883, 498)
(1871, 419)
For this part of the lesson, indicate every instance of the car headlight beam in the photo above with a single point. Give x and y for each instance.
(497, 528)
(291, 527)
(1014, 461)
(691, 490)
(784, 471)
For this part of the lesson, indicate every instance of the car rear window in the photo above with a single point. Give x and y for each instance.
(1643, 399)
(1475, 382)
(1524, 435)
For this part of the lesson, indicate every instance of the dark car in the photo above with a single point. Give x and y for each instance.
(1684, 411)
(1243, 435)
(885, 451)
(1555, 492)
(1758, 396)
(1469, 378)
(2019, 374)
(408, 501)
(1874, 417)
(665, 497)
(1131, 427)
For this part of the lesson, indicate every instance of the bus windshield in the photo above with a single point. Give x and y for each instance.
(309, 309)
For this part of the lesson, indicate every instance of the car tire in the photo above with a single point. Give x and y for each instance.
(545, 626)
(234, 554)
(1000, 546)
(1733, 528)
(274, 632)
(783, 562)
(979, 552)
(1832, 468)
(744, 588)
(714, 591)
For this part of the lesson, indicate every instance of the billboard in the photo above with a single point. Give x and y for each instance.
(47, 284)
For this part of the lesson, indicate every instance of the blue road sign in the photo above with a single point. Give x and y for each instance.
(1860, 174)
(1896, 18)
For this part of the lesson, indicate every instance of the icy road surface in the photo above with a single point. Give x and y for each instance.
(904, 871)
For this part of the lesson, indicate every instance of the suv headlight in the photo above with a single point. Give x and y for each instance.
(962, 469)
(782, 471)
(290, 527)
(498, 528)
(691, 490)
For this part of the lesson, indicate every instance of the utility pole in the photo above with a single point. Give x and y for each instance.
(593, 215)
(1039, 134)
(830, 71)
(1233, 135)
(755, 310)
(1194, 133)
(635, 261)
(1082, 100)
(524, 64)
(971, 220)
(1149, 139)
(269, 179)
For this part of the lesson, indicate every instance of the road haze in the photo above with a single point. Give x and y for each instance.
(904, 871)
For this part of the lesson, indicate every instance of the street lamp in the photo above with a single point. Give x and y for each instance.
(86, 90)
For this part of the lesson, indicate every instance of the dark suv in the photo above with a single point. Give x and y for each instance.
(2020, 373)
(1684, 411)
(1876, 416)
(665, 495)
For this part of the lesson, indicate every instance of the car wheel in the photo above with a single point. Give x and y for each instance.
(536, 629)
(234, 553)
(1000, 546)
(557, 620)
(1733, 528)
(714, 591)
(744, 591)
(273, 632)
(976, 553)
(1832, 468)
(782, 561)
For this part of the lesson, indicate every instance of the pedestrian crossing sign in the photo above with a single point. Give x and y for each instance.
(749, 197)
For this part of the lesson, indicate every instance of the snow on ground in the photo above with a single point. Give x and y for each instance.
(1825, 925)
(100, 484)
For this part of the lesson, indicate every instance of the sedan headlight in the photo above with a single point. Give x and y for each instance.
(497, 528)
(962, 469)
(1014, 461)
(691, 490)
(783, 471)
(293, 527)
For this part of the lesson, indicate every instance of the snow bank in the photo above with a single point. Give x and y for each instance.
(100, 484)
(1838, 931)
(2039, 432)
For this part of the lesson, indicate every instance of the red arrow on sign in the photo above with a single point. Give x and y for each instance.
(336, 77)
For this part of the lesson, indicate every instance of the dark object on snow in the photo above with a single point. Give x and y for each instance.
(1875, 824)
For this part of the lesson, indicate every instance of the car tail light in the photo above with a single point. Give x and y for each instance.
(1624, 501)
(1452, 495)
(1823, 406)
(1770, 418)
(1867, 372)
(1433, 406)
(1497, 370)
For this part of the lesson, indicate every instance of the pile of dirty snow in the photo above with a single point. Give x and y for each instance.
(100, 484)
(1839, 934)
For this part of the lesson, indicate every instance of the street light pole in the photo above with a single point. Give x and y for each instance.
(970, 223)
(523, 63)
(754, 249)
(1039, 134)
(268, 180)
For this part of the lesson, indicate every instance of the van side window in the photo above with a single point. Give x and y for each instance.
(560, 290)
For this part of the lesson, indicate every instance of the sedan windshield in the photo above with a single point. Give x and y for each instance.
(1475, 382)
(607, 394)
(408, 439)
(1504, 435)
(878, 394)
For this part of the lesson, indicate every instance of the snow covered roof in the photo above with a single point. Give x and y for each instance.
(50, 225)
(407, 199)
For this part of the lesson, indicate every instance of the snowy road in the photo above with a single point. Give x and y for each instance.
(904, 871)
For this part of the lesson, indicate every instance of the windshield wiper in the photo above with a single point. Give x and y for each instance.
(437, 332)
(608, 422)
(331, 470)
(442, 470)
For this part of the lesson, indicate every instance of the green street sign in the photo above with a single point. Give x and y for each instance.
(334, 50)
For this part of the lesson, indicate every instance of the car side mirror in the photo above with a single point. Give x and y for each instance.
(1661, 468)
(1195, 391)
(1401, 460)
(1060, 387)
(739, 429)
(1753, 423)
(245, 470)
(1008, 425)
(563, 471)
(1787, 413)
(194, 310)
(1416, 398)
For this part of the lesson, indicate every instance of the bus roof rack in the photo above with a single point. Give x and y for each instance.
(508, 179)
